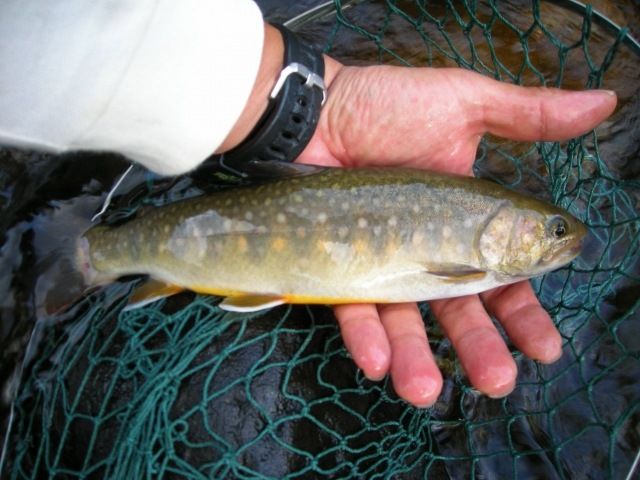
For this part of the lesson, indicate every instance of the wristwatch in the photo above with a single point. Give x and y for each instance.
(292, 114)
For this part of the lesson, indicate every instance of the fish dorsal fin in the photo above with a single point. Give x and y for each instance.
(151, 291)
(456, 273)
(250, 302)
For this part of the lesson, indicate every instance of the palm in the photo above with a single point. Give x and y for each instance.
(434, 119)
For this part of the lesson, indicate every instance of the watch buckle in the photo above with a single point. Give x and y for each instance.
(312, 79)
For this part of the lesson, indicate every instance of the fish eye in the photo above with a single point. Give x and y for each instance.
(558, 227)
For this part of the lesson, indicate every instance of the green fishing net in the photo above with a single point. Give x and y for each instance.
(180, 389)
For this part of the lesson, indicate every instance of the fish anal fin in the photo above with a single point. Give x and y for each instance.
(250, 302)
(151, 291)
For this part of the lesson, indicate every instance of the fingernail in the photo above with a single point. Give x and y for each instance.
(500, 380)
(377, 361)
(611, 93)
(546, 347)
(424, 391)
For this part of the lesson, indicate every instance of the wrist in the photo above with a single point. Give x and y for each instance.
(270, 67)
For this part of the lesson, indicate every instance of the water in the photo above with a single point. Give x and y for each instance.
(575, 419)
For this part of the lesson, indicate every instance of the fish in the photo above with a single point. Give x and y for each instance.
(336, 236)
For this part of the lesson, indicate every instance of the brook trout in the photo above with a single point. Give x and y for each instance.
(339, 236)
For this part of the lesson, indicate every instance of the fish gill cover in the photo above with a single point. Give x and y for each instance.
(180, 389)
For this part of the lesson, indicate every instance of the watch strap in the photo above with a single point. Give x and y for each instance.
(288, 124)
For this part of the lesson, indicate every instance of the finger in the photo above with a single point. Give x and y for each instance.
(525, 321)
(480, 348)
(414, 372)
(365, 338)
(533, 113)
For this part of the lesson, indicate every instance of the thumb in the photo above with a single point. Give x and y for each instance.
(537, 113)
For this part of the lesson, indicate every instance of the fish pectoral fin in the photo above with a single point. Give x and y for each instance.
(250, 303)
(151, 291)
(456, 273)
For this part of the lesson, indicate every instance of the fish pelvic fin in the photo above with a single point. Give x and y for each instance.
(250, 303)
(151, 291)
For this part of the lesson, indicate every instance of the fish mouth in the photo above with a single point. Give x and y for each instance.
(564, 254)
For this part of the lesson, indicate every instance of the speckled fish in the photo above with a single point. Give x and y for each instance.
(339, 236)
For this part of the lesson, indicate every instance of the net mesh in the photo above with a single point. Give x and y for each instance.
(180, 389)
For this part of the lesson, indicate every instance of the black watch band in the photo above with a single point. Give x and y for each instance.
(292, 114)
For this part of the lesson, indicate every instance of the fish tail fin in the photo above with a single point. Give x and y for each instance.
(63, 269)
(61, 282)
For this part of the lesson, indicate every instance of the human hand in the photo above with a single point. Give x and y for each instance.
(434, 119)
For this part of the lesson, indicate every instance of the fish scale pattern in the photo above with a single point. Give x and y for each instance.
(181, 389)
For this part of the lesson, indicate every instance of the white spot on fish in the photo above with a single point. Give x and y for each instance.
(267, 202)
(339, 252)
(261, 229)
(209, 232)
(167, 229)
(362, 222)
(468, 223)
(343, 232)
(97, 256)
(281, 218)
(377, 230)
(393, 221)
(459, 249)
(345, 206)
(322, 217)
(430, 226)
(297, 198)
(248, 216)
(416, 209)
(304, 212)
(226, 225)
(446, 231)
(417, 238)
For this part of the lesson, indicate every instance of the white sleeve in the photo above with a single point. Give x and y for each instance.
(160, 81)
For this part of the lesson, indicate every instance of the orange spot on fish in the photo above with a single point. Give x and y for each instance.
(242, 244)
(391, 248)
(360, 246)
(278, 244)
